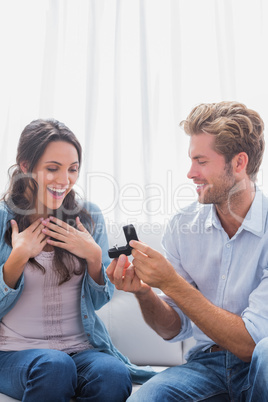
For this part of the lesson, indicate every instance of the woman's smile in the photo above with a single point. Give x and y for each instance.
(57, 193)
(55, 173)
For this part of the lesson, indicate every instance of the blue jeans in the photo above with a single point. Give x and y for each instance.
(214, 377)
(46, 375)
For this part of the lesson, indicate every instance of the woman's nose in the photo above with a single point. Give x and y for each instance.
(63, 178)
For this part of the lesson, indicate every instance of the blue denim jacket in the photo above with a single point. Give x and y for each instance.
(93, 295)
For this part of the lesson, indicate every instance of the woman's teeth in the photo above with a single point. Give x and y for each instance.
(57, 192)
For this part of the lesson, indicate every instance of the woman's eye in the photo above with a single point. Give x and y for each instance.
(52, 169)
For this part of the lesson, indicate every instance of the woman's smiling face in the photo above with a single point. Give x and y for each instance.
(56, 172)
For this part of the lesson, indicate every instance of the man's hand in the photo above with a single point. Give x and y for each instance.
(122, 274)
(151, 266)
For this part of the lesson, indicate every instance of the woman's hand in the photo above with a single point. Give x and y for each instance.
(30, 241)
(77, 241)
(25, 245)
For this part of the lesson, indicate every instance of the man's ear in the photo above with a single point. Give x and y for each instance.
(24, 166)
(240, 162)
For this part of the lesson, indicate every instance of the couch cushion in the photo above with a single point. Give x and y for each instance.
(133, 337)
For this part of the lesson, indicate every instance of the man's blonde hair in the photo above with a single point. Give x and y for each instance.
(236, 128)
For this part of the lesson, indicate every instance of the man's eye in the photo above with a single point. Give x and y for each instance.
(202, 162)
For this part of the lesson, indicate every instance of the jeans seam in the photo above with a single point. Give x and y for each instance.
(209, 396)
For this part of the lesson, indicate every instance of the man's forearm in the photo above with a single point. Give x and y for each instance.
(159, 315)
(224, 328)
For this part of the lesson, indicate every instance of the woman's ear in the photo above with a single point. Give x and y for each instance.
(24, 166)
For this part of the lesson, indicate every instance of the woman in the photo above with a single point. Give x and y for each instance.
(53, 255)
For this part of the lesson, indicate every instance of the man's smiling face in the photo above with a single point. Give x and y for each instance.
(213, 177)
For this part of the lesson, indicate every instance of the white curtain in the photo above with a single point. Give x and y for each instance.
(122, 74)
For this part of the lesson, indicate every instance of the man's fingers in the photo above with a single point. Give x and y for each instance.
(129, 274)
(110, 269)
(143, 248)
(118, 275)
(122, 261)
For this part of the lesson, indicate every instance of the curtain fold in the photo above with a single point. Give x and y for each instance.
(224, 24)
(50, 61)
(146, 130)
(117, 131)
(91, 85)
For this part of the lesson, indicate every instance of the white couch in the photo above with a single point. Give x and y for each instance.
(123, 319)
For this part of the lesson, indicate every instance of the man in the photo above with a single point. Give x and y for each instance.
(214, 279)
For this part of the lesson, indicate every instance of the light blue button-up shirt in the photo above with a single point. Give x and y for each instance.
(231, 273)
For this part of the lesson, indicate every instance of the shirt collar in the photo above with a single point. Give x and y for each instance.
(254, 221)
(212, 218)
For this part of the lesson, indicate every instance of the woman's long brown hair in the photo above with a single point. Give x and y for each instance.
(32, 144)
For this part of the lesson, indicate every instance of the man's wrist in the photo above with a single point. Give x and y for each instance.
(143, 292)
(172, 285)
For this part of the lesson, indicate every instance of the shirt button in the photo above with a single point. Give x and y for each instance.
(6, 289)
(223, 277)
(228, 245)
(85, 316)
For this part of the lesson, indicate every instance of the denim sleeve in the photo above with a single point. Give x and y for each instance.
(100, 294)
(255, 316)
(8, 296)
